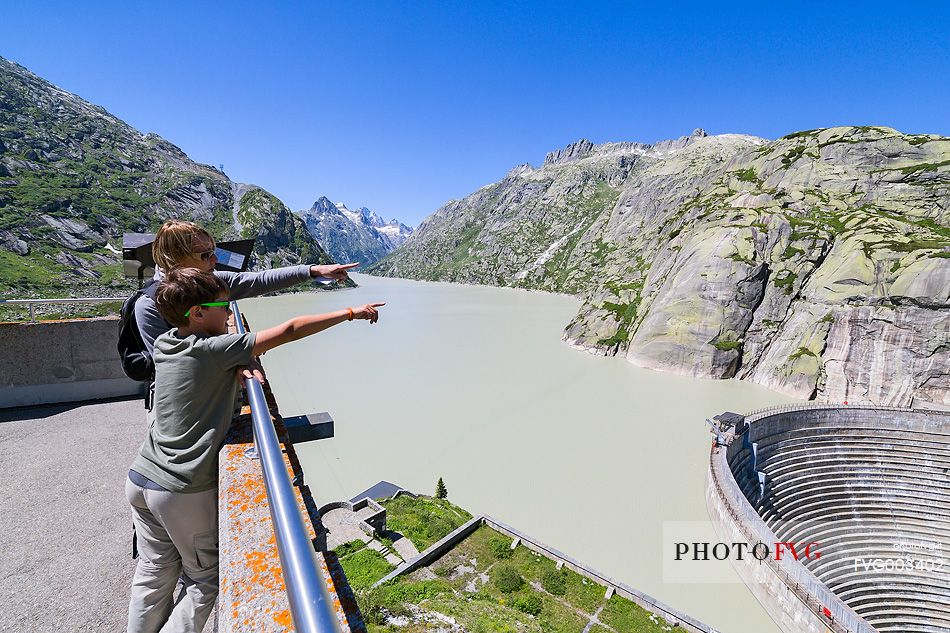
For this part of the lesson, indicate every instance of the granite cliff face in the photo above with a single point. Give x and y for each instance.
(817, 264)
(353, 236)
(73, 178)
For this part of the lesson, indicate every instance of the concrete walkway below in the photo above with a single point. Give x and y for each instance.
(65, 526)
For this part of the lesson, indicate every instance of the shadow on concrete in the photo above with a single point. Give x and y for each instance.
(38, 412)
(392, 535)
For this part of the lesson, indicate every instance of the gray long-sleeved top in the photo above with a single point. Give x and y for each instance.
(242, 285)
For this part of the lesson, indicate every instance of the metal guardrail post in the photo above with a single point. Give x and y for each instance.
(310, 604)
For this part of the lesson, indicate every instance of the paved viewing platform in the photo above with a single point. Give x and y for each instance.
(65, 526)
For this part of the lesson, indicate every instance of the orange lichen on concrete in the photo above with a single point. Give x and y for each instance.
(253, 596)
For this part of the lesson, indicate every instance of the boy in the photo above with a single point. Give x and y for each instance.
(172, 484)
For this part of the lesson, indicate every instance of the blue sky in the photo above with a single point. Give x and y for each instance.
(403, 106)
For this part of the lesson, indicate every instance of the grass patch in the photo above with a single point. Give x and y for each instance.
(802, 134)
(726, 346)
(581, 592)
(28, 273)
(802, 351)
(785, 280)
(392, 598)
(624, 313)
(500, 547)
(923, 167)
(423, 520)
(791, 252)
(747, 175)
(623, 615)
(349, 547)
(915, 245)
(365, 567)
(554, 582)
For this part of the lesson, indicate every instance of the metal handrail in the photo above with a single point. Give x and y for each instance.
(31, 302)
(310, 604)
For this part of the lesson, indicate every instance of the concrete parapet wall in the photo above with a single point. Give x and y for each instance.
(376, 521)
(61, 361)
(253, 596)
(783, 605)
(871, 418)
(436, 551)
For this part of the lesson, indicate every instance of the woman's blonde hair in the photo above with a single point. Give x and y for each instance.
(175, 241)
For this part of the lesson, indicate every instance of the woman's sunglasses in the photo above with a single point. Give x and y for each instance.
(206, 255)
(212, 304)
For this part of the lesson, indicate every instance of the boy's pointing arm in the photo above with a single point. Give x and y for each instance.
(303, 326)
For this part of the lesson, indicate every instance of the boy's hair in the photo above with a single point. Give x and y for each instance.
(184, 288)
(175, 241)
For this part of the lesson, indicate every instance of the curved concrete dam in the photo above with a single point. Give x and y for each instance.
(869, 490)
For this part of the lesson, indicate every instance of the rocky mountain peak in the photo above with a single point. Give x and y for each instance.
(574, 151)
(371, 217)
(323, 205)
(585, 149)
(520, 170)
(361, 236)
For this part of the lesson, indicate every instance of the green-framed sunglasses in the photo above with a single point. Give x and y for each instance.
(212, 304)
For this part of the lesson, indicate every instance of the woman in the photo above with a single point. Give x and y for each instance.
(180, 244)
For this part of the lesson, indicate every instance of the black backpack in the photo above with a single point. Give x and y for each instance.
(137, 363)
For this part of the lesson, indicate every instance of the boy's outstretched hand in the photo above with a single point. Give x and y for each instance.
(368, 312)
(310, 324)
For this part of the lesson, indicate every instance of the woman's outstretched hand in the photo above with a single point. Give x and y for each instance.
(336, 272)
(368, 312)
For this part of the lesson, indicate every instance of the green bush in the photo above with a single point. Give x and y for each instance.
(530, 604)
(500, 547)
(506, 578)
(373, 607)
(554, 582)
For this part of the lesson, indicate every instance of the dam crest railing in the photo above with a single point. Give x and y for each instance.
(310, 605)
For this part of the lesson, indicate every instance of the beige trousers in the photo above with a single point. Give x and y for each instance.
(177, 535)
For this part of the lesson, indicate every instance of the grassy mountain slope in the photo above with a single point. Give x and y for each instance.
(73, 178)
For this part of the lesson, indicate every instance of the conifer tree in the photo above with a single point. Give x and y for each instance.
(441, 492)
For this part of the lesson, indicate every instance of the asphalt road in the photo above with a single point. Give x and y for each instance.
(65, 526)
